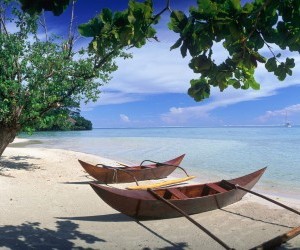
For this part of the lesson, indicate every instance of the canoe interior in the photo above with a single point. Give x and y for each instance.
(207, 189)
(182, 193)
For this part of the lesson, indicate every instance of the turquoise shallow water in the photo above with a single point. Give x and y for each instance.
(211, 153)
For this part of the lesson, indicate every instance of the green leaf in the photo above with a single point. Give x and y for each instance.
(85, 30)
(235, 83)
(236, 4)
(151, 32)
(257, 40)
(234, 31)
(248, 8)
(183, 49)
(33, 7)
(176, 44)
(289, 72)
(126, 34)
(258, 57)
(178, 21)
(271, 64)
(199, 89)
(200, 64)
(253, 84)
(91, 29)
(281, 72)
(131, 18)
(94, 45)
(106, 15)
(208, 7)
(290, 62)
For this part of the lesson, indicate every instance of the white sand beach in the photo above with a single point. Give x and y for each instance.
(46, 203)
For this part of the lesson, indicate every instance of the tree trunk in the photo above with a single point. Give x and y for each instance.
(7, 135)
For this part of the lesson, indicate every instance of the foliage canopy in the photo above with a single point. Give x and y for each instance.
(243, 31)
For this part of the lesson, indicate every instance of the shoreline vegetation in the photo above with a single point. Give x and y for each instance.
(46, 201)
(72, 123)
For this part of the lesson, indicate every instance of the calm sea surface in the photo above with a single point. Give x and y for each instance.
(211, 153)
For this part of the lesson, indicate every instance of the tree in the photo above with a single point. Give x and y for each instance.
(38, 76)
(243, 31)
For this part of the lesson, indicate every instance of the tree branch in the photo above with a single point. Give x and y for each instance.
(106, 57)
(270, 48)
(2, 21)
(257, 17)
(163, 10)
(70, 42)
(43, 24)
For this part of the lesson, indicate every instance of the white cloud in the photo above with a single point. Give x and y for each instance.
(124, 118)
(153, 69)
(110, 98)
(182, 116)
(285, 112)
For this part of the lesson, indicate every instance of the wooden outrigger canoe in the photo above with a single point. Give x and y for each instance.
(192, 199)
(107, 174)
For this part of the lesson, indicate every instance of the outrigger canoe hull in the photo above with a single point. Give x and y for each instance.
(133, 173)
(192, 199)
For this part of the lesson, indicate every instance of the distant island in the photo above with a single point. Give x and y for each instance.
(80, 123)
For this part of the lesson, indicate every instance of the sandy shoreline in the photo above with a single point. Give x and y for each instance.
(46, 204)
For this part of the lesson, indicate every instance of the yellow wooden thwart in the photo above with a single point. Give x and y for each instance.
(161, 184)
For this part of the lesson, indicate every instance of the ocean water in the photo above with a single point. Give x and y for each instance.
(211, 153)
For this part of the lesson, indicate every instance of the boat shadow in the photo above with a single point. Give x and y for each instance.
(100, 218)
(31, 235)
(76, 182)
(90, 180)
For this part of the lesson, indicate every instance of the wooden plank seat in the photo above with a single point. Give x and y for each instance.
(177, 193)
(216, 187)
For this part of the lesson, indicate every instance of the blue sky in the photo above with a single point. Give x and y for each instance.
(151, 88)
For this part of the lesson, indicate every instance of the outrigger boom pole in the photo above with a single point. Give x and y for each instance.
(261, 196)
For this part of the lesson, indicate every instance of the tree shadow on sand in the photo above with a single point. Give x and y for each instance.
(30, 235)
(17, 162)
(118, 217)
